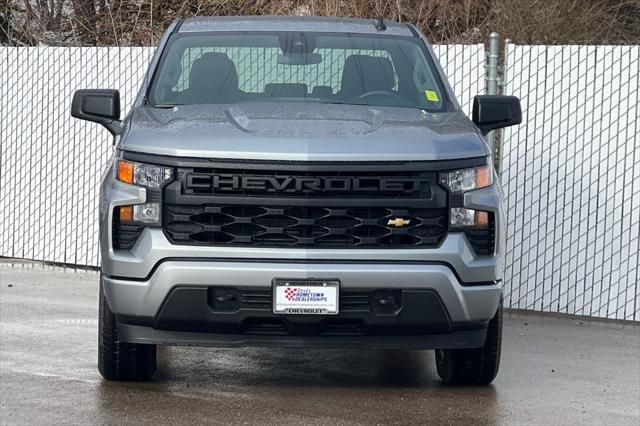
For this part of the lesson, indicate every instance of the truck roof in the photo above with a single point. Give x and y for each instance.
(291, 23)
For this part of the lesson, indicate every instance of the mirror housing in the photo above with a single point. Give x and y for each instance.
(100, 106)
(492, 112)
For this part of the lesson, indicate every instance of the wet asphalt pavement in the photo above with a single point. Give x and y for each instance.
(555, 370)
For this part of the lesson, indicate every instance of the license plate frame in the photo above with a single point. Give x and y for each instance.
(307, 296)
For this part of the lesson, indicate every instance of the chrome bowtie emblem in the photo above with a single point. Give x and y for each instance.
(398, 222)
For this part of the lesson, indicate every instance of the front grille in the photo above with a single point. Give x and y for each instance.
(304, 205)
(285, 226)
(483, 240)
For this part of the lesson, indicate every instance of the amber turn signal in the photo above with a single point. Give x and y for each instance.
(125, 171)
(481, 219)
(125, 214)
(483, 177)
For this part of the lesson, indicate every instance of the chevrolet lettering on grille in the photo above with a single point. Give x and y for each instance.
(222, 183)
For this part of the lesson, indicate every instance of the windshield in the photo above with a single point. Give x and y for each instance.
(222, 68)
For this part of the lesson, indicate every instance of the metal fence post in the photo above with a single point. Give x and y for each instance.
(492, 81)
(502, 89)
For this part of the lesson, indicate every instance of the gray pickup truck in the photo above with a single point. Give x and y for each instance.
(299, 182)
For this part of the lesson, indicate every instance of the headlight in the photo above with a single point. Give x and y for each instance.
(139, 214)
(151, 177)
(461, 218)
(459, 181)
(146, 175)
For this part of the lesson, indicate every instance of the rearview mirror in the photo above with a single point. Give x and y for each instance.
(99, 106)
(299, 59)
(492, 112)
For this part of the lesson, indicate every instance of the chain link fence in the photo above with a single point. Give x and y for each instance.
(51, 165)
(571, 177)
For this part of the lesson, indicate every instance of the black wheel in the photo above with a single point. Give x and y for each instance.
(121, 360)
(473, 366)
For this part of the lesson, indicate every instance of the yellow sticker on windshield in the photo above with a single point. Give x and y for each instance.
(431, 95)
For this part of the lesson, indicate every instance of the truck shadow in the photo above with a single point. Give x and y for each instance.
(260, 385)
(298, 367)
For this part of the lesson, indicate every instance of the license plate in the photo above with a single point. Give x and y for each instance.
(305, 297)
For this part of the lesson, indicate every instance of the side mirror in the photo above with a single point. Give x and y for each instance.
(99, 106)
(495, 112)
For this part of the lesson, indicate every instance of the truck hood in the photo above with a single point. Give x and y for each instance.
(301, 132)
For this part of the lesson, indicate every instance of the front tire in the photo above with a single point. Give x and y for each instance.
(473, 366)
(119, 360)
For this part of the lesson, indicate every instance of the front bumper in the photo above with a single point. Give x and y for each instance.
(172, 305)
(143, 298)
